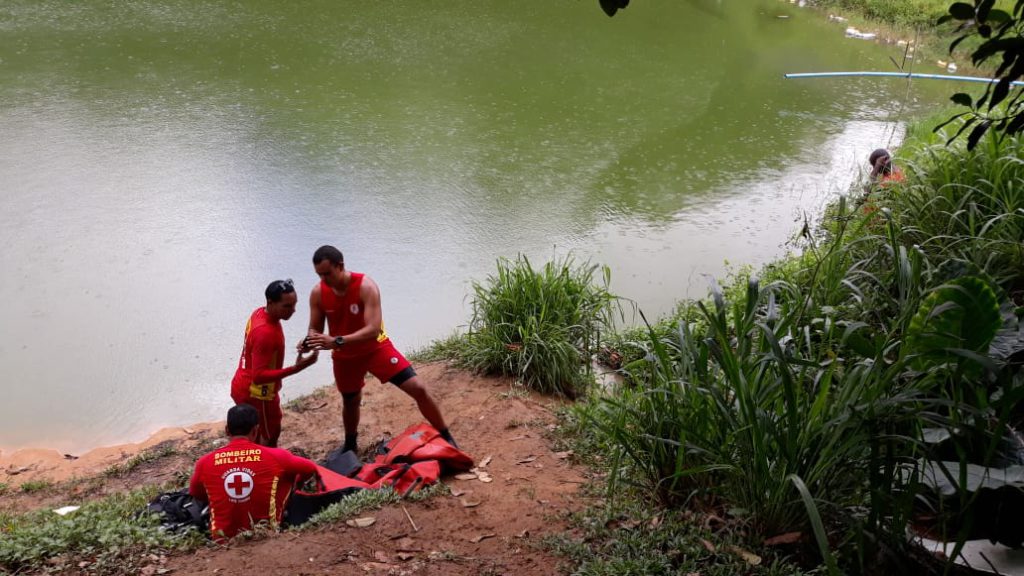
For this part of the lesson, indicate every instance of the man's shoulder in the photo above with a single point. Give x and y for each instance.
(367, 283)
(284, 456)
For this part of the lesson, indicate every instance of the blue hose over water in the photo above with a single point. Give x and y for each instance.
(899, 75)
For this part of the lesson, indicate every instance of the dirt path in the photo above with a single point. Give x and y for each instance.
(534, 486)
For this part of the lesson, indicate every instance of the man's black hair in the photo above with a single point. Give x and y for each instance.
(329, 253)
(242, 418)
(278, 288)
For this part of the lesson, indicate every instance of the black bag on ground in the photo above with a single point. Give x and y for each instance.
(343, 462)
(179, 511)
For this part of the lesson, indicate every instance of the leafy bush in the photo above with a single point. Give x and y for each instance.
(541, 326)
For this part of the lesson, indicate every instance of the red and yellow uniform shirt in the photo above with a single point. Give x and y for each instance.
(259, 372)
(245, 484)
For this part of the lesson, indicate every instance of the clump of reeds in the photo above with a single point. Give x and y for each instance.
(539, 325)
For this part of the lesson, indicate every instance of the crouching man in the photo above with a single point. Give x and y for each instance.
(244, 483)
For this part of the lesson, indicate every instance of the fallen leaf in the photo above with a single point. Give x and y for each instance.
(456, 492)
(148, 570)
(656, 521)
(482, 537)
(486, 461)
(361, 522)
(379, 556)
(486, 479)
(563, 455)
(525, 533)
(469, 503)
(189, 431)
(465, 476)
(519, 437)
(527, 460)
(708, 545)
(403, 556)
(787, 538)
(749, 557)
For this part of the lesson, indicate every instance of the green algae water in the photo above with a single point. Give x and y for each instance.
(162, 161)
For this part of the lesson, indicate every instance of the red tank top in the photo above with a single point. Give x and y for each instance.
(345, 315)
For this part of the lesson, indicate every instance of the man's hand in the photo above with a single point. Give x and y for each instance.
(318, 341)
(303, 362)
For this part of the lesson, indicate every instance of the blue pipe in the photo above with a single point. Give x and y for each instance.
(899, 75)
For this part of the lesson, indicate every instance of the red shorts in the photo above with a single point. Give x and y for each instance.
(269, 428)
(384, 363)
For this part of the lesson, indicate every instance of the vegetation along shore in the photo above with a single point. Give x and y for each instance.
(827, 413)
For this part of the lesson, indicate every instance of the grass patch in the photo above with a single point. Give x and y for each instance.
(35, 486)
(450, 348)
(108, 535)
(306, 402)
(627, 536)
(357, 503)
(162, 450)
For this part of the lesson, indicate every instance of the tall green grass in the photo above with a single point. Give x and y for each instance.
(968, 206)
(539, 325)
(802, 404)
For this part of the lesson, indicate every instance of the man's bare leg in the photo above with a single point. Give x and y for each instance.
(427, 407)
(350, 404)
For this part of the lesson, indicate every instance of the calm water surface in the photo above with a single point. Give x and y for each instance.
(162, 161)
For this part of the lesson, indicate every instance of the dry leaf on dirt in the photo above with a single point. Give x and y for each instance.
(380, 556)
(406, 544)
(469, 503)
(361, 522)
(482, 537)
(524, 534)
(486, 479)
(749, 557)
(563, 455)
(465, 476)
(403, 556)
(787, 538)
(486, 461)
(527, 460)
(456, 492)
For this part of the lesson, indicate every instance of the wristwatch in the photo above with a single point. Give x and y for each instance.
(338, 342)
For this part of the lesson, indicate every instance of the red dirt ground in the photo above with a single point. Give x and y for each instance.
(534, 487)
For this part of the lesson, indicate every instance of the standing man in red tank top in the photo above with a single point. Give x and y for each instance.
(350, 303)
(257, 380)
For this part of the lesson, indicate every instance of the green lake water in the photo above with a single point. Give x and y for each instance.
(162, 161)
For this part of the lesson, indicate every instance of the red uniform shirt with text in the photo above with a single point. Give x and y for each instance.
(246, 483)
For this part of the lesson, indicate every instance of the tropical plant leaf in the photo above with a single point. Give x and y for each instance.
(961, 314)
